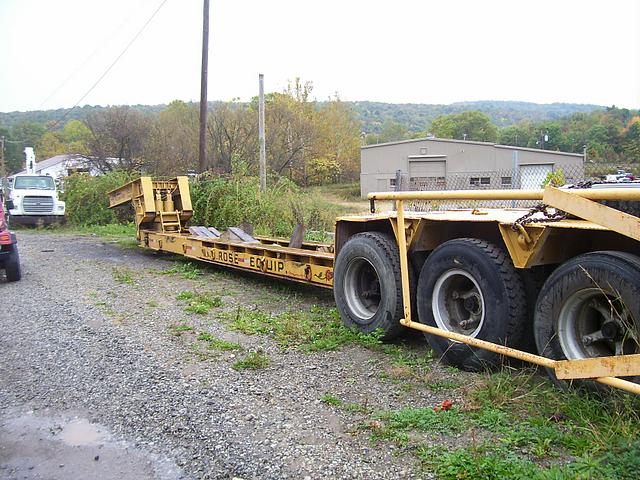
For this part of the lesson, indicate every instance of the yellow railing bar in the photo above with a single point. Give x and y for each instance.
(475, 342)
(590, 193)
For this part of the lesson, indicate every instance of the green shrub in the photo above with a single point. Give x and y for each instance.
(555, 179)
(224, 202)
(87, 200)
(218, 201)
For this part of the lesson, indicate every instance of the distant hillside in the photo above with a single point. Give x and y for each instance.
(8, 119)
(415, 116)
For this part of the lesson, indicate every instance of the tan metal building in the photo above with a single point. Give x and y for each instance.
(438, 164)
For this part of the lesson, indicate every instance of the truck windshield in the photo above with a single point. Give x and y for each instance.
(36, 182)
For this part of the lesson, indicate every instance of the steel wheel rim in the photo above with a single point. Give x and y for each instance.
(362, 289)
(587, 325)
(457, 298)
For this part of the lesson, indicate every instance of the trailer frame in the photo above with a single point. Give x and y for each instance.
(163, 209)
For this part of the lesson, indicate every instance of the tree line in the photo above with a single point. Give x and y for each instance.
(306, 142)
(611, 135)
(309, 142)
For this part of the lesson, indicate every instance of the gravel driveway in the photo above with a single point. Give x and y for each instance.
(94, 384)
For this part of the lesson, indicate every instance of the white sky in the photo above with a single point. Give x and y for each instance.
(400, 51)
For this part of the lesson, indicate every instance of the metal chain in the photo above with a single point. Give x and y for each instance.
(548, 216)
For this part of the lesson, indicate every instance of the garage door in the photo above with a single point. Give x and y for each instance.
(427, 175)
(532, 176)
(427, 169)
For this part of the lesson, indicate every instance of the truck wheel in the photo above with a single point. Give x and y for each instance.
(12, 266)
(590, 307)
(470, 286)
(367, 286)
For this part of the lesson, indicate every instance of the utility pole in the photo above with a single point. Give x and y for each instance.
(3, 169)
(202, 158)
(263, 151)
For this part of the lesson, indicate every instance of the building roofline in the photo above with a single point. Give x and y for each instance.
(470, 142)
(526, 149)
(430, 139)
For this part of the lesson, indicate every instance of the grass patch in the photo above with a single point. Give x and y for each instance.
(187, 270)
(252, 361)
(131, 243)
(424, 419)
(317, 329)
(199, 303)
(215, 343)
(518, 426)
(123, 275)
(180, 328)
(331, 400)
(121, 232)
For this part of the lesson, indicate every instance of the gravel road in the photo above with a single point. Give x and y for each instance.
(93, 384)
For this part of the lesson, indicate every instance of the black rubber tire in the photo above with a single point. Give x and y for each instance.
(12, 266)
(605, 270)
(533, 279)
(381, 252)
(628, 206)
(500, 286)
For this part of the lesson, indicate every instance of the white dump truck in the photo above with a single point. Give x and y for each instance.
(33, 199)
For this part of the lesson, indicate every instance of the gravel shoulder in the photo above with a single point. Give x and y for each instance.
(89, 346)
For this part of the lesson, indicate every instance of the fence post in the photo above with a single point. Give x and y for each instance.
(515, 177)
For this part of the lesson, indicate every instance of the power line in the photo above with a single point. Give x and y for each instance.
(85, 61)
(113, 63)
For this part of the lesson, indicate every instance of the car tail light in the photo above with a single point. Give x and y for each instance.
(5, 237)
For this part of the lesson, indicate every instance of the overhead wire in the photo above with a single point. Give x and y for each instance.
(85, 61)
(104, 74)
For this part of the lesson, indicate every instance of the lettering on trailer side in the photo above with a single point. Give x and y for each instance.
(269, 265)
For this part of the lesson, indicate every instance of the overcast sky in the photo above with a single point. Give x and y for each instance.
(399, 51)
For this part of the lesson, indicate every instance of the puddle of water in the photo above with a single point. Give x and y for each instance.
(80, 433)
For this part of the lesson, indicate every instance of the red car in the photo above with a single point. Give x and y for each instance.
(9, 259)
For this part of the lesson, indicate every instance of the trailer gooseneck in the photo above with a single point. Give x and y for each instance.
(477, 282)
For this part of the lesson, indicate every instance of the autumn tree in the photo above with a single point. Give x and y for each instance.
(290, 131)
(631, 140)
(118, 139)
(171, 146)
(233, 134)
(337, 142)
(71, 140)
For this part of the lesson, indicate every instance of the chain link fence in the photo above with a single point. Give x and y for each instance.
(525, 177)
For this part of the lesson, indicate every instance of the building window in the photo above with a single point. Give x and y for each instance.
(505, 181)
(479, 181)
(392, 182)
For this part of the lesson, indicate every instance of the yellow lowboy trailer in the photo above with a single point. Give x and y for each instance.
(480, 283)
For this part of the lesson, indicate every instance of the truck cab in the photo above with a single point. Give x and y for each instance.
(33, 200)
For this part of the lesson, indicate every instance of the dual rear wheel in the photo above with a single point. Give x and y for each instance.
(588, 306)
